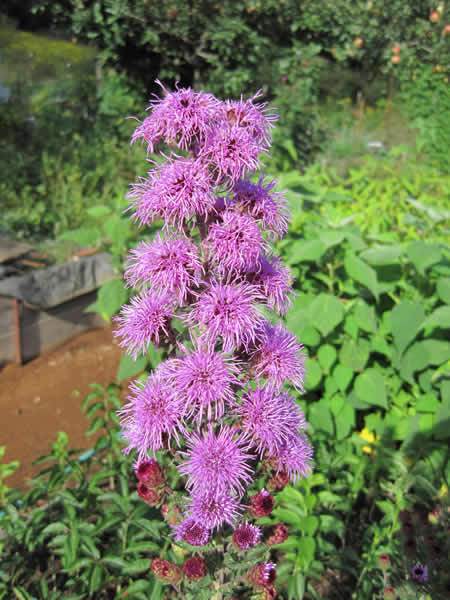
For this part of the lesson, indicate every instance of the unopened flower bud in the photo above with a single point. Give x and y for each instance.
(261, 504)
(389, 593)
(150, 473)
(194, 568)
(262, 574)
(149, 495)
(166, 571)
(278, 481)
(384, 562)
(278, 535)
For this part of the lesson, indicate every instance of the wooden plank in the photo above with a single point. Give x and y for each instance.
(10, 248)
(43, 330)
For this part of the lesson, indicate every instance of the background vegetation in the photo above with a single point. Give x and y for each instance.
(362, 149)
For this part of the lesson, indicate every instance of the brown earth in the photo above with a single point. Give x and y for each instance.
(44, 396)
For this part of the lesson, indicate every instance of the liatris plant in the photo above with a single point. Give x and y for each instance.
(218, 408)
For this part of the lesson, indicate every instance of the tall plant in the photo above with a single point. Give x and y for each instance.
(213, 427)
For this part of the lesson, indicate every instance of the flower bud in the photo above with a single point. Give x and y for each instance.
(278, 535)
(261, 504)
(149, 495)
(194, 568)
(150, 473)
(384, 562)
(389, 593)
(278, 481)
(166, 571)
(262, 575)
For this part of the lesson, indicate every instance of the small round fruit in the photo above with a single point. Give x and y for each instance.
(435, 16)
(358, 42)
(395, 59)
(396, 49)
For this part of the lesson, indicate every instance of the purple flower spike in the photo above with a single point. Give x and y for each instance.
(245, 536)
(270, 418)
(217, 461)
(294, 457)
(168, 265)
(278, 358)
(231, 152)
(152, 416)
(251, 116)
(176, 192)
(275, 283)
(182, 117)
(228, 311)
(144, 321)
(263, 204)
(214, 508)
(204, 380)
(235, 243)
(192, 532)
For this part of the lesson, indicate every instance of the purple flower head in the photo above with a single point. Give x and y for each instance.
(264, 205)
(181, 117)
(230, 152)
(294, 457)
(176, 191)
(217, 461)
(419, 573)
(152, 415)
(275, 283)
(270, 418)
(245, 536)
(171, 265)
(212, 508)
(251, 116)
(204, 380)
(278, 358)
(144, 321)
(192, 532)
(229, 312)
(235, 243)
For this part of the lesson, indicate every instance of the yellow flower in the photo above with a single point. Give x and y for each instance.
(370, 437)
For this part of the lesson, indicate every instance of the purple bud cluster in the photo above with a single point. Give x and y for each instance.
(221, 397)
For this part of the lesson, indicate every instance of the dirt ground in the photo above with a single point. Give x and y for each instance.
(43, 397)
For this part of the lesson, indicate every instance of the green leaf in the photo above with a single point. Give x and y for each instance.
(362, 273)
(128, 367)
(114, 562)
(327, 356)
(423, 255)
(343, 376)
(141, 585)
(382, 255)
(313, 374)
(111, 296)
(308, 335)
(95, 579)
(296, 587)
(355, 354)
(137, 566)
(443, 289)
(320, 417)
(344, 421)
(84, 236)
(305, 250)
(309, 525)
(325, 312)
(370, 388)
(364, 316)
(307, 549)
(99, 211)
(406, 319)
(422, 354)
(439, 318)
(330, 238)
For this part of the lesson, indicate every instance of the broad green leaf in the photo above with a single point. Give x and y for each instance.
(364, 316)
(344, 421)
(330, 238)
(342, 375)
(370, 388)
(406, 319)
(442, 420)
(305, 250)
(137, 566)
(95, 579)
(128, 367)
(422, 354)
(99, 211)
(320, 417)
(325, 313)
(327, 356)
(307, 549)
(308, 335)
(439, 318)
(111, 296)
(309, 525)
(428, 403)
(423, 255)
(313, 374)
(84, 236)
(296, 587)
(382, 255)
(362, 273)
(355, 354)
(443, 289)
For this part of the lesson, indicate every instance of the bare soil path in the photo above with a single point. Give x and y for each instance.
(43, 397)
